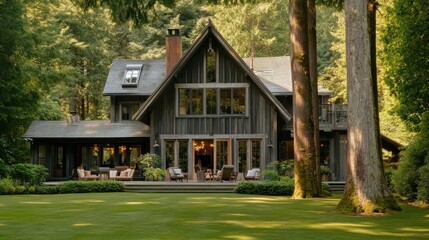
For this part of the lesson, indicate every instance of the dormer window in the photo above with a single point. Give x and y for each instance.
(132, 75)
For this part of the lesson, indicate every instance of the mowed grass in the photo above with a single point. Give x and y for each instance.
(196, 216)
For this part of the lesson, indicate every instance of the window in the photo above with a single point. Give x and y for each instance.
(169, 153)
(42, 155)
(184, 101)
(131, 75)
(225, 101)
(204, 100)
(256, 154)
(211, 101)
(183, 155)
(239, 101)
(211, 66)
(197, 101)
(128, 110)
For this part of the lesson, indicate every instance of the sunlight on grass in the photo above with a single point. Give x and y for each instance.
(415, 229)
(87, 201)
(368, 229)
(140, 203)
(245, 224)
(239, 237)
(82, 224)
(39, 203)
(2, 225)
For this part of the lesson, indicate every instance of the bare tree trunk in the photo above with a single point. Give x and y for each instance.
(312, 50)
(366, 190)
(302, 103)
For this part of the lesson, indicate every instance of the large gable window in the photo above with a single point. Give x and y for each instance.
(212, 99)
(132, 75)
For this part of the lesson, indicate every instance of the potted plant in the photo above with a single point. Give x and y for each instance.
(151, 164)
(326, 173)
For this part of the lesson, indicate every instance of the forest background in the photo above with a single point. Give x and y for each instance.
(52, 51)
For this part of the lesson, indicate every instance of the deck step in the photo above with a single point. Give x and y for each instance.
(179, 187)
(336, 187)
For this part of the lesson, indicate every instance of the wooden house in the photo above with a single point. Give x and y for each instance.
(207, 108)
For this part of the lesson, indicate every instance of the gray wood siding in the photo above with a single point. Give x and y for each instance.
(261, 112)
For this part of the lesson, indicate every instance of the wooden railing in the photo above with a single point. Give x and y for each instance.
(331, 117)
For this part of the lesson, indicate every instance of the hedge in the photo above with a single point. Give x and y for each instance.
(273, 188)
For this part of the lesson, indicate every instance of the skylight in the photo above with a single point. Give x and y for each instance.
(132, 75)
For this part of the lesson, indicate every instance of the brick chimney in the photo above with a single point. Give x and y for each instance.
(173, 45)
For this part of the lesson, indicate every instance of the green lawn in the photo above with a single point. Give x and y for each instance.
(196, 216)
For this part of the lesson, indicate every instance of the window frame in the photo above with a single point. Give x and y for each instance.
(217, 87)
(134, 70)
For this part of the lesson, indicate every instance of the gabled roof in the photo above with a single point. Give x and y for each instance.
(87, 129)
(210, 30)
(152, 74)
(275, 73)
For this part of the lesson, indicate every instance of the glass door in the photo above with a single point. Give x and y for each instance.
(222, 153)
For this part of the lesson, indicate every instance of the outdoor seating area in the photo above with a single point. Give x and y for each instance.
(225, 174)
(106, 174)
(86, 175)
(125, 175)
(176, 174)
(252, 174)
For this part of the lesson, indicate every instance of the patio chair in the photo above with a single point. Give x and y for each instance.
(113, 174)
(252, 174)
(225, 173)
(86, 175)
(176, 174)
(126, 175)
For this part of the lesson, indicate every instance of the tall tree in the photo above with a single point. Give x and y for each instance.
(366, 189)
(312, 53)
(303, 123)
(406, 40)
(18, 99)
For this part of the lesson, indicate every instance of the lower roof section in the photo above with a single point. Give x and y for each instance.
(87, 129)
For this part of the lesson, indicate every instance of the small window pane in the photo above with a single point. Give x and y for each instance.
(184, 101)
(239, 100)
(183, 155)
(256, 154)
(197, 101)
(135, 76)
(211, 66)
(211, 102)
(169, 153)
(128, 75)
(225, 101)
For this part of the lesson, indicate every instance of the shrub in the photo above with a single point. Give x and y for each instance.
(411, 178)
(90, 186)
(4, 169)
(150, 160)
(20, 189)
(423, 184)
(270, 175)
(274, 188)
(6, 186)
(31, 189)
(47, 189)
(326, 189)
(284, 168)
(29, 174)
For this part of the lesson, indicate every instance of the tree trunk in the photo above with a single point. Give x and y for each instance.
(366, 190)
(312, 50)
(302, 103)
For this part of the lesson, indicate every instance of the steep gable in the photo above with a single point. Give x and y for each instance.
(210, 32)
